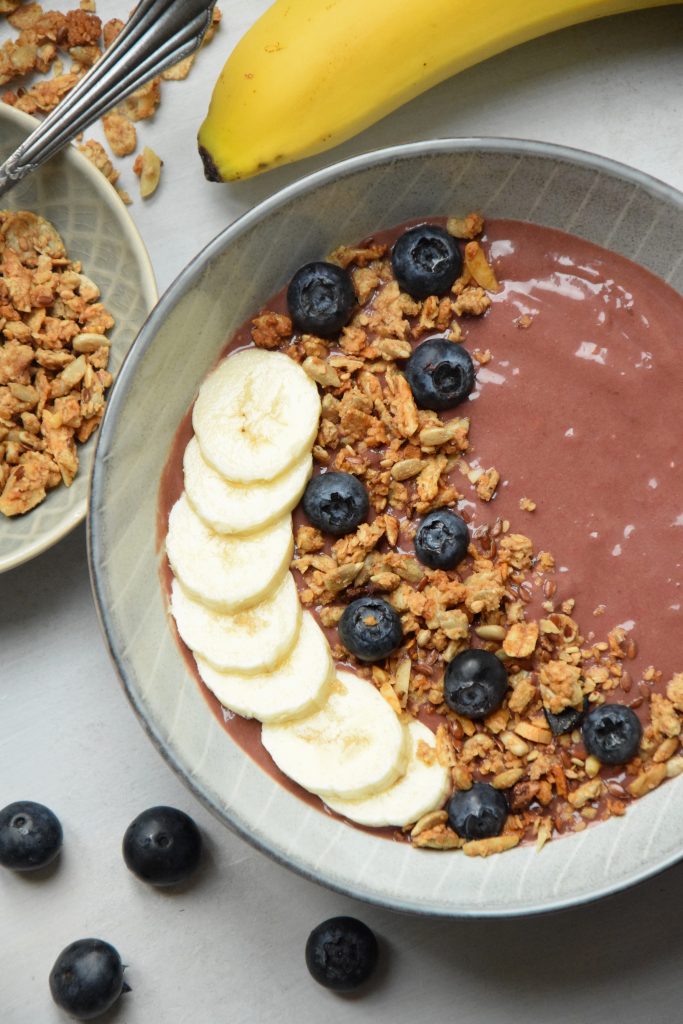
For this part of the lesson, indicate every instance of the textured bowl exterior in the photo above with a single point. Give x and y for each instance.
(98, 231)
(589, 196)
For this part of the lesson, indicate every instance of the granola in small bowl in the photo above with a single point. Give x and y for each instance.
(76, 286)
(53, 361)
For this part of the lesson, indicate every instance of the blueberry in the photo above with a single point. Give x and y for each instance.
(442, 539)
(440, 374)
(336, 502)
(87, 978)
(426, 261)
(341, 953)
(564, 721)
(475, 683)
(162, 846)
(321, 299)
(370, 629)
(611, 732)
(30, 836)
(479, 812)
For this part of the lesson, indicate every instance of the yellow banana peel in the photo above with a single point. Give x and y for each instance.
(311, 73)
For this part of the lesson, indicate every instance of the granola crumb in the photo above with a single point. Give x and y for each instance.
(95, 152)
(465, 227)
(487, 483)
(121, 133)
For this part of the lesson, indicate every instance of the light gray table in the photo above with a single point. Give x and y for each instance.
(230, 948)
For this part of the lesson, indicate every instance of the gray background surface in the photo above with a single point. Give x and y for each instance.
(230, 947)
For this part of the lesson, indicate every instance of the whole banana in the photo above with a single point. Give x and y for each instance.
(311, 73)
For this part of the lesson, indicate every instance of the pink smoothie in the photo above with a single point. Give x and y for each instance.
(583, 413)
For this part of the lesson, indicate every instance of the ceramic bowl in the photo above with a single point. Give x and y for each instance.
(98, 231)
(604, 202)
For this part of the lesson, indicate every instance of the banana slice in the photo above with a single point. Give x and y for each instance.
(223, 572)
(236, 508)
(353, 747)
(256, 415)
(250, 641)
(296, 687)
(423, 788)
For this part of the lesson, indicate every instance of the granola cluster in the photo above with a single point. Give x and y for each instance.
(501, 597)
(44, 40)
(53, 361)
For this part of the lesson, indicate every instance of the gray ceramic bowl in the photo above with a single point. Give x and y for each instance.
(98, 231)
(599, 200)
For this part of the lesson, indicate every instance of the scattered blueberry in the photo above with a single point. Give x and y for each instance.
(564, 721)
(611, 732)
(321, 299)
(479, 812)
(162, 846)
(341, 953)
(426, 261)
(440, 374)
(30, 836)
(370, 629)
(336, 502)
(87, 978)
(442, 539)
(475, 683)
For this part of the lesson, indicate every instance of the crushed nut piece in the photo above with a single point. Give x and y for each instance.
(148, 166)
(495, 844)
(439, 837)
(590, 790)
(428, 821)
(479, 268)
(648, 780)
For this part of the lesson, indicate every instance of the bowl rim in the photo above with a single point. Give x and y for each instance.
(98, 184)
(96, 552)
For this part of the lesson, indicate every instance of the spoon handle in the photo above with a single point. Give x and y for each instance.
(158, 34)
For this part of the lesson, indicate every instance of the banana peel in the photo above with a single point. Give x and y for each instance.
(310, 74)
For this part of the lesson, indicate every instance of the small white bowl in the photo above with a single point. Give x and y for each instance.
(98, 231)
(607, 203)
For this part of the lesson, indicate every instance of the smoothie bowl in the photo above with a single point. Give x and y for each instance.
(519, 693)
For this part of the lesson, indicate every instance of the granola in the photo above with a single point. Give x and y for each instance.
(53, 361)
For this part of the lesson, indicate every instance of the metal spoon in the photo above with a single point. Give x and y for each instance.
(159, 34)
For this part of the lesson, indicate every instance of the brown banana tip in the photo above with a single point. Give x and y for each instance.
(211, 172)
